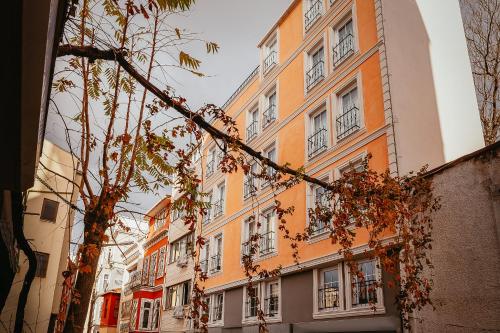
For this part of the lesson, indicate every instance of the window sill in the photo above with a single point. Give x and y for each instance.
(318, 153)
(269, 69)
(219, 323)
(341, 62)
(357, 311)
(319, 237)
(314, 85)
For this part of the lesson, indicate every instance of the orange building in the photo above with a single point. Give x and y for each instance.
(109, 311)
(147, 283)
(321, 98)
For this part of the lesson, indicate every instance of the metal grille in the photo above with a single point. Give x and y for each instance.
(252, 130)
(269, 115)
(364, 292)
(270, 61)
(266, 244)
(347, 122)
(343, 49)
(317, 142)
(315, 74)
(313, 13)
(328, 298)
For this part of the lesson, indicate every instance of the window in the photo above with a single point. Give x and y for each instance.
(313, 12)
(156, 315)
(181, 248)
(316, 71)
(251, 301)
(270, 55)
(42, 261)
(318, 199)
(211, 161)
(249, 229)
(152, 269)
(317, 141)
(105, 282)
(216, 259)
(178, 295)
(49, 210)
(145, 319)
(344, 43)
(161, 262)
(264, 295)
(270, 153)
(267, 237)
(348, 121)
(205, 254)
(253, 124)
(215, 304)
(250, 182)
(364, 290)
(219, 204)
(271, 299)
(145, 270)
(208, 214)
(269, 115)
(328, 292)
(160, 218)
(338, 290)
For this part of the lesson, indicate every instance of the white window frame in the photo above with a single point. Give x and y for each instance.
(261, 293)
(253, 169)
(156, 306)
(266, 151)
(141, 317)
(214, 252)
(249, 120)
(245, 232)
(162, 258)
(265, 286)
(211, 309)
(153, 263)
(308, 62)
(260, 229)
(258, 293)
(354, 83)
(311, 203)
(334, 35)
(317, 277)
(265, 105)
(306, 5)
(266, 50)
(379, 305)
(309, 121)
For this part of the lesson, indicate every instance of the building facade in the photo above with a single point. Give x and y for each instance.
(147, 277)
(179, 271)
(109, 311)
(47, 223)
(337, 80)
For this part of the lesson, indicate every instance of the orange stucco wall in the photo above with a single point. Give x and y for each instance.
(290, 129)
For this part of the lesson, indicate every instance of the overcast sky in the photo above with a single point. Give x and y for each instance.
(236, 26)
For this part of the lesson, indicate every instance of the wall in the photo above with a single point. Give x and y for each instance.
(466, 246)
(431, 88)
(47, 237)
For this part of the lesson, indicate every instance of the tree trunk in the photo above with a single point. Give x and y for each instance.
(93, 232)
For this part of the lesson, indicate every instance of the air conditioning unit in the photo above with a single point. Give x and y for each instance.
(182, 261)
(178, 312)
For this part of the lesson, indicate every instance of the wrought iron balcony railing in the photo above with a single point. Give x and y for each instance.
(245, 248)
(271, 306)
(348, 122)
(269, 115)
(270, 61)
(343, 49)
(210, 168)
(364, 292)
(328, 298)
(315, 74)
(317, 142)
(217, 312)
(206, 217)
(266, 243)
(252, 130)
(218, 208)
(215, 263)
(249, 187)
(313, 14)
(318, 228)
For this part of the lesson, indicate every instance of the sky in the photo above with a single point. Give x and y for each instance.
(236, 26)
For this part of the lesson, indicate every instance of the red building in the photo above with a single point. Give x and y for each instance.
(148, 286)
(109, 311)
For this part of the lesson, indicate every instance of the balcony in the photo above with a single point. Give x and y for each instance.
(313, 14)
(249, 188)
(271, 306)
(328, 298)
(270, 61)
(347, 123)
(343, 49)
(252, 130)
(206, 217)
(218, 208)
(266, 243)
(210, 168)
(317, 142)
(215, 264)
(269, 116)
(364, 292)
(315, 75)
(245, 248)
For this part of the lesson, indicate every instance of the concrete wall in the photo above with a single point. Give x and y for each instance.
(466, 248)
(431, 89)
(46, 237)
